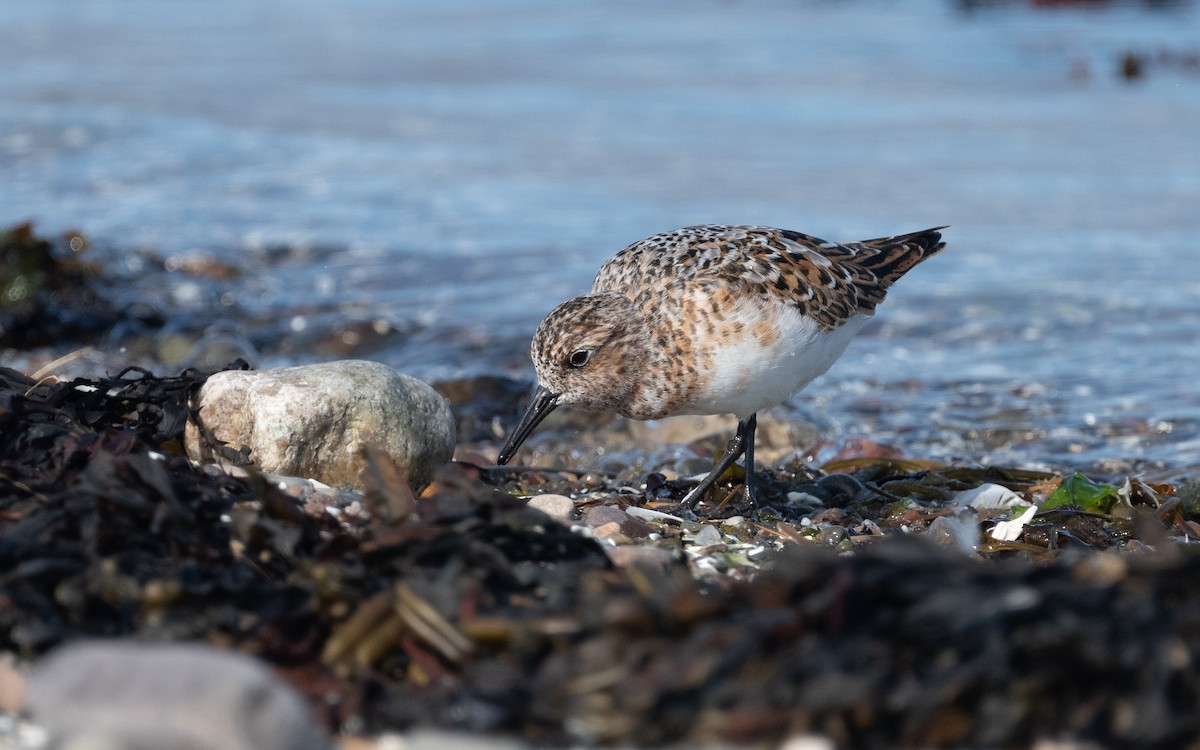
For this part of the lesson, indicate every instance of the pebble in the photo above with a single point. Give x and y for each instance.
(115, 694)
(807, 742)
(707, 536)
(602, 514)
(612, 532)
(832, 536)
(317, 420)
(638, 555)
(559, 507)
(631, 527)
(961, 533)
(795, 499)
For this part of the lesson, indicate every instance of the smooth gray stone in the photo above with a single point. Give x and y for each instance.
(316, 421)
(106, 695)
(559, 507)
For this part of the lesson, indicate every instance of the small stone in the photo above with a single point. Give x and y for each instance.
(602, 514)
(832, 536)
(174, 697)
(316, 421)
(559, 507)
(631, 527)
(807, 742)
(707, 536)
(12, 687)
(803, 499)
(636, 529)
(629, 555)
(832, 515)
(612, 532)
(961, 533)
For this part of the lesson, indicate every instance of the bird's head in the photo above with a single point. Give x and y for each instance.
(587, 353)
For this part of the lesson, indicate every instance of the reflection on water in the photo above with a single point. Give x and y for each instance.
(419, 183)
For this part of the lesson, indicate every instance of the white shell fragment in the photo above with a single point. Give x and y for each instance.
(652, 515)
(1008, 531)
(988, 496)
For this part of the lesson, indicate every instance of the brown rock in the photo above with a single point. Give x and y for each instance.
(612, 531)
(634, 528)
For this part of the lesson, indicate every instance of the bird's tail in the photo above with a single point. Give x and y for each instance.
(892, 257)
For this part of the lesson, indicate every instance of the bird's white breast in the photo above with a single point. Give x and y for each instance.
(774, 353)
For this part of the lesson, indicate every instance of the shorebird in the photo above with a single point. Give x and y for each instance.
(712, 319)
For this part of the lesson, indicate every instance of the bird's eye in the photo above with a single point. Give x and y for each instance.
(580, 357)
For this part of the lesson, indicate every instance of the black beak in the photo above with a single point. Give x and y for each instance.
(542, 404)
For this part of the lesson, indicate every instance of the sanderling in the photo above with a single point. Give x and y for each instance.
(712, 320)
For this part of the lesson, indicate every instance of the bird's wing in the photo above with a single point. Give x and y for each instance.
(826, 281)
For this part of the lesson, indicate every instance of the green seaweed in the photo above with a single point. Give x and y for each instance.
(1079, 491)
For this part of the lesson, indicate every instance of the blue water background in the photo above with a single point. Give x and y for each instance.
(458, 168)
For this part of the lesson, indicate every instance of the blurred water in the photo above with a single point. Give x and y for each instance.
(456, 169)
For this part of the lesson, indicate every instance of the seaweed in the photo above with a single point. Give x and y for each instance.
(465, 608)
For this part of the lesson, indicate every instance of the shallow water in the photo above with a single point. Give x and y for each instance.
(454, 170)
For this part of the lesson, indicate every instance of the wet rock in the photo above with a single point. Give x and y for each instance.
(655, 558)
(959, 533)
(830, 516)
(602, 514)
(612, 532)
(832, 536)
(558, 507)
(317, 420)
(840, 489)
(133, 695)
(707, 536)
(631, 527)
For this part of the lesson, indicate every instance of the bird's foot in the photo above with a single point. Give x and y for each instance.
(743, 500)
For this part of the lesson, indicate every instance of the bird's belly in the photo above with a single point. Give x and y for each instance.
(775, 354)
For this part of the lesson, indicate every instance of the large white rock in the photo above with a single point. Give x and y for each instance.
(316, 421)
(118, 694)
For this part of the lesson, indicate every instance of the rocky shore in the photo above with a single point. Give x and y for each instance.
(875, 601)
(162, 564)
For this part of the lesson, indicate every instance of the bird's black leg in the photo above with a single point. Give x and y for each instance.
(749, 487)
(741, 443)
